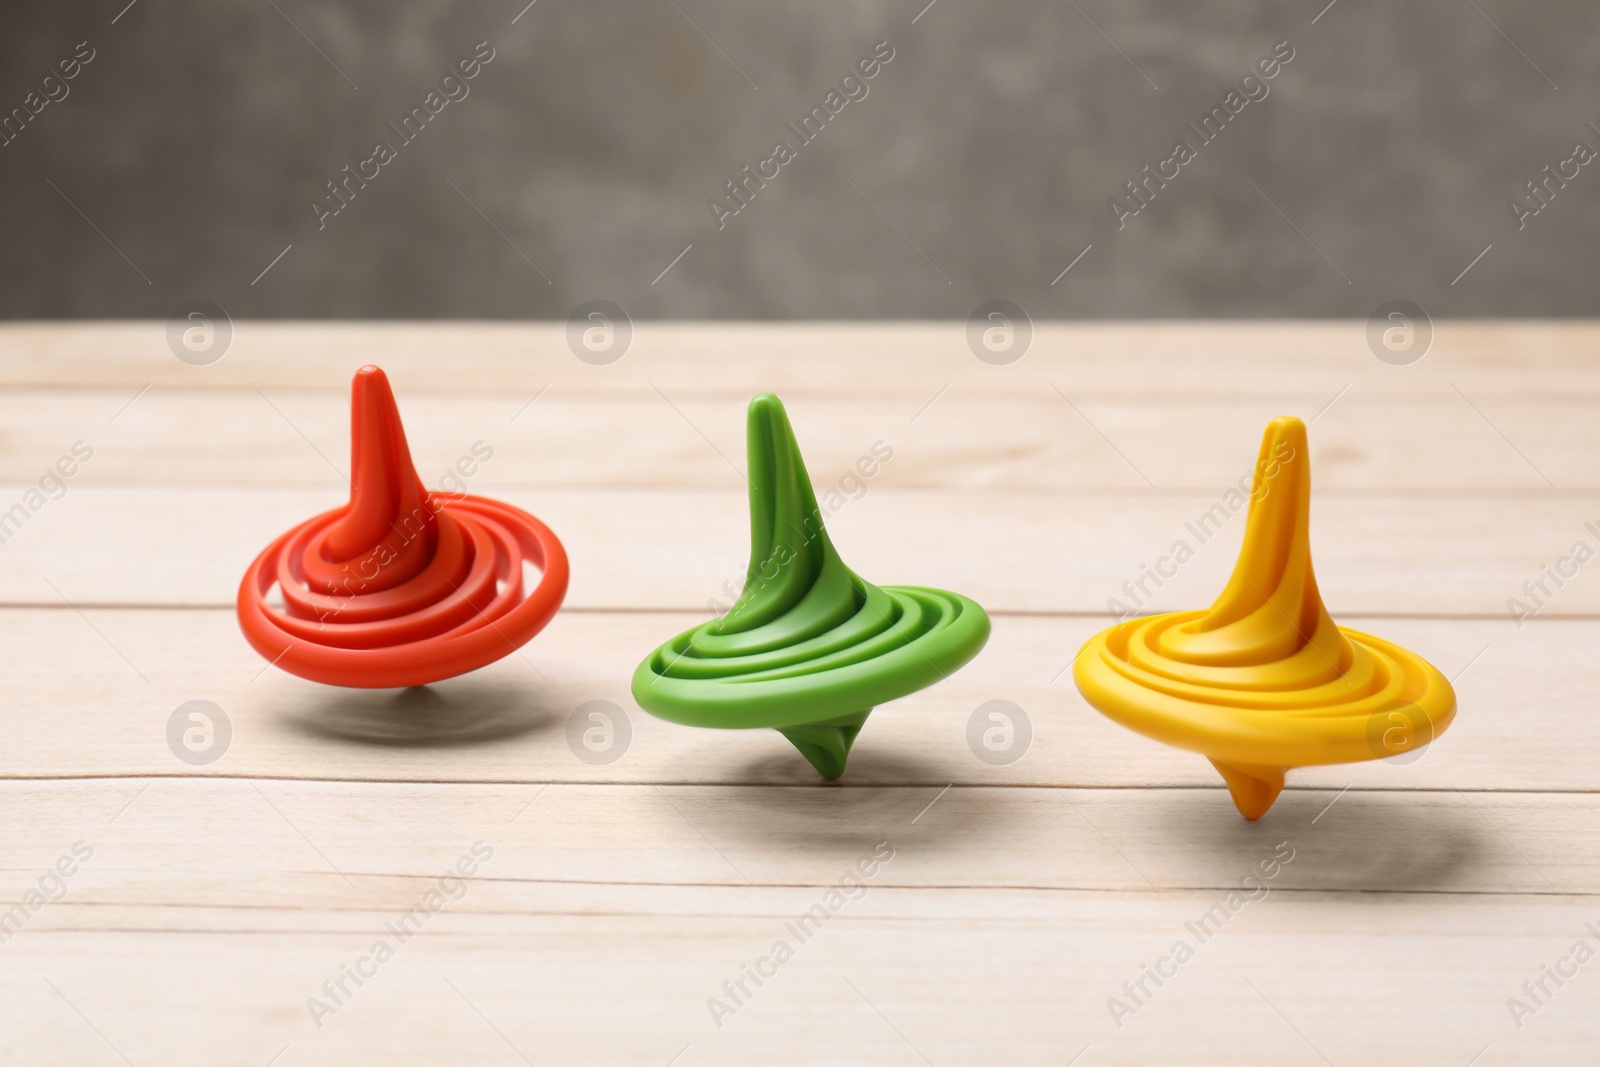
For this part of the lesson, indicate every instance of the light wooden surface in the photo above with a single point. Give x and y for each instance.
(621, 896)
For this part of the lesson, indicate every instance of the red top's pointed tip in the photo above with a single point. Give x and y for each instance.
(383, 481)
(372, 402)
(377, 437)
(370, 384)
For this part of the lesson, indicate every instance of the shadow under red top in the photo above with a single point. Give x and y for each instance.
(400, 586)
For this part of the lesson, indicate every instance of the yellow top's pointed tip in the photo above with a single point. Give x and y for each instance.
(1286, 428)
(1270, 607)
(1284, 451)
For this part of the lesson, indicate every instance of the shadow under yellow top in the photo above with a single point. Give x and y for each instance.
(1263, 681)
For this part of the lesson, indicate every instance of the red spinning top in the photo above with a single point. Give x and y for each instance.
(399, 587)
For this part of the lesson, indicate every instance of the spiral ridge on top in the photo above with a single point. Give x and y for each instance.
(810, 647)
(1263, 680)
(398, 587)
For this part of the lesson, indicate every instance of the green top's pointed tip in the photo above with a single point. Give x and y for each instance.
(777, 470)
(768, 422)
(789, 546)
(767, 404)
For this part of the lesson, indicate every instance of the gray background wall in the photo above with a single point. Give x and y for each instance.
(992, 142)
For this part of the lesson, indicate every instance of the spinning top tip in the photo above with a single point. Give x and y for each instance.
(1254, 789)
(826, 745)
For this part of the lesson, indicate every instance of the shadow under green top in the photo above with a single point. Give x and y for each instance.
(810, 647)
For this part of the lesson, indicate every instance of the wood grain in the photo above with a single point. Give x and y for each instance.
(337, 846)
(607, 917)
(1213, 358)
(106, 682)
(621, 896)
(665, 435)
(1404, 554)
(902, 977)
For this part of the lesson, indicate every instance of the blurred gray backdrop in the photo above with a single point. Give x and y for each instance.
(183, 159)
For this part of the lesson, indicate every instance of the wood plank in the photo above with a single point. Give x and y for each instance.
(77, 707)
(329, 853)
(621, 896)
(226, 890)
(966, 978)
(1178, 358)
(1013, 552)
(1037, 438)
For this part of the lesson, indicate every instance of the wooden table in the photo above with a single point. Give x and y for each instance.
(612, 901)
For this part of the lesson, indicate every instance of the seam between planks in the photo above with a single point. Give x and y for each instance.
(934, 783)
(1004, 613)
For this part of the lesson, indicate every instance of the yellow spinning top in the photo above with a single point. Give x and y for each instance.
(1263, 680)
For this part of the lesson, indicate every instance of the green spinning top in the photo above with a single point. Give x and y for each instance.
(810, 647)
